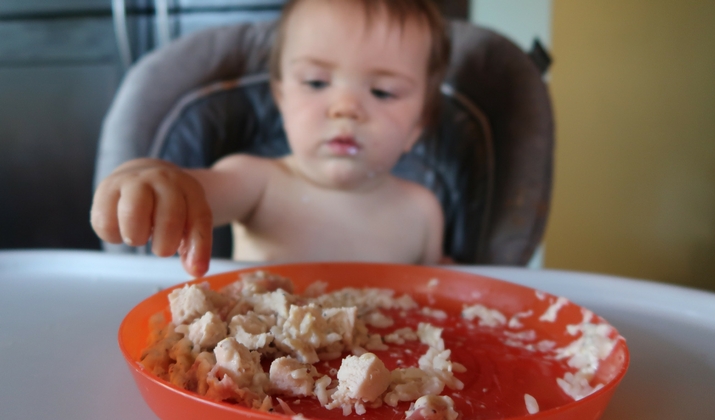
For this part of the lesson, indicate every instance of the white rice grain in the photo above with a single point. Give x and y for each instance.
(531, 405)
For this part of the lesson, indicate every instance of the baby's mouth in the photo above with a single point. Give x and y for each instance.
(343, 146)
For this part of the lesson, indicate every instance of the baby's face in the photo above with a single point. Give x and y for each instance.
(352, 93)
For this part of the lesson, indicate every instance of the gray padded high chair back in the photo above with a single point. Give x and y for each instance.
(488, 160)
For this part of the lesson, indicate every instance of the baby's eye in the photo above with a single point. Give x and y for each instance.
(381, 94)
(316, 84)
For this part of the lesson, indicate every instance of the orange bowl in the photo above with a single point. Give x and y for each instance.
(455, 289)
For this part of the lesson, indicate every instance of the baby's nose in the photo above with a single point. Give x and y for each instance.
(346, 105)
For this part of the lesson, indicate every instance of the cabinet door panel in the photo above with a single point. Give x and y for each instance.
(191, 22)
(227, 3)
(34, 42)
(25, 7)
(57, 78)
(49, 124)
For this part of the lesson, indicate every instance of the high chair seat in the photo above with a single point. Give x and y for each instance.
(488, 159)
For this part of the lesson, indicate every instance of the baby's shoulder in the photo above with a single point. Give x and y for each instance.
(416, 197)
(242, 162)
(413, 191)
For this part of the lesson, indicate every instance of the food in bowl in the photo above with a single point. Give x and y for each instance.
(370, 350)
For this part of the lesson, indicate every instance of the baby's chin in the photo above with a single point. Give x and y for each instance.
(345, 174)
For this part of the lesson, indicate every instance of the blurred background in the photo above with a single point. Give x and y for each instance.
(632, 85)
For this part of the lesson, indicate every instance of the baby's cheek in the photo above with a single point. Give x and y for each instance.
(297, 124)
(300, 118)
(394, 141)
(384, 159)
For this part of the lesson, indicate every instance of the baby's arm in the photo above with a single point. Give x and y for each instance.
(176, 208)
(234, 186)
(434, 235)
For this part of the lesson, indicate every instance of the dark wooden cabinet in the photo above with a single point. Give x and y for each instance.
(58, 73)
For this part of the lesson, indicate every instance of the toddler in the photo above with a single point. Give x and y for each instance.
(356, 82)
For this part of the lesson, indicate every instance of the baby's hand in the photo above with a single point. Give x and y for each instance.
(147, 198)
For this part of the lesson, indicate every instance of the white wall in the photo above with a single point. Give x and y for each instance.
(520, 20)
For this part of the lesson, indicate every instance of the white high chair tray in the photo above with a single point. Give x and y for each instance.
(60, 312)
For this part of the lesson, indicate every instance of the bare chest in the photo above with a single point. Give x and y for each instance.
(305, 225)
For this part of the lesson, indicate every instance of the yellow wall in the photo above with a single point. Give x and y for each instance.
(633, 86)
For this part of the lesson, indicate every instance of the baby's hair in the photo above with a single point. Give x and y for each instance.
(399, 10)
